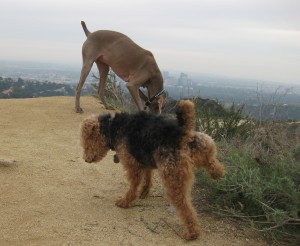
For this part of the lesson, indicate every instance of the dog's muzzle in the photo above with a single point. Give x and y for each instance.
(88, 160)
(148, 103)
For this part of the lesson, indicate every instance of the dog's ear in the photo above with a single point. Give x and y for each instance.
(89, 127)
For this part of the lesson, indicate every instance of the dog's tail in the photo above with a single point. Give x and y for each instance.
(86, 31)
(186, 116)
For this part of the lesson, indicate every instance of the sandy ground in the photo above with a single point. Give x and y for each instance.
(50, 196)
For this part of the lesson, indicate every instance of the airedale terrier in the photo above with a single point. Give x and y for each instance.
(143, 142)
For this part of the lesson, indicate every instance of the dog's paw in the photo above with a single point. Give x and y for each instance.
(122, 203)
(79, 110)
(191, 235)
(217, 172)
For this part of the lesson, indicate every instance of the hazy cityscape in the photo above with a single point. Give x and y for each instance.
(227, 91)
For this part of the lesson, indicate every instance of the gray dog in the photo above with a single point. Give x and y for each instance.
(135, 65)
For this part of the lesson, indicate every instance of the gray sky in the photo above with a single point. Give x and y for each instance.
(255, 39)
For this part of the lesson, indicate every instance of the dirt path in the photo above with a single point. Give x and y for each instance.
(50, 196)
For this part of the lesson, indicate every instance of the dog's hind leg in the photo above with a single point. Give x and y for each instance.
(146, 183)
(214, 168)
(86, 67)
(177, 179)
(204, 155)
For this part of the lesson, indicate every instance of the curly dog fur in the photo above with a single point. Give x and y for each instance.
(144, 142)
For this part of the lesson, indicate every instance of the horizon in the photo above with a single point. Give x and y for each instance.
(193, 75)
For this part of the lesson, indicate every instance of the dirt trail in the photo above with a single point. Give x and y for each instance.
(50, 196)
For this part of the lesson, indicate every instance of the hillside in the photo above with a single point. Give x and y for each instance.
(50, 196)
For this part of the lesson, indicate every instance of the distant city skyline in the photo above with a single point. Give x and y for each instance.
(66, 73)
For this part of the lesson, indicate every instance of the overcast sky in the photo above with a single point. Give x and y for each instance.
(255, 39)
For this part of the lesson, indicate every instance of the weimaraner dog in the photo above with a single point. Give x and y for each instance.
(135, 65)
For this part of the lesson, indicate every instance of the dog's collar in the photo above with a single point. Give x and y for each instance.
(148, 103)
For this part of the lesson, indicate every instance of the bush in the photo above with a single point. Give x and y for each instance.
(262, 181)
(265, 195)
(114, 93)
(219, 123)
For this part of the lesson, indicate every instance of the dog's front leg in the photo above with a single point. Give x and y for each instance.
(134, 91)
(134, 177)
(146, 183)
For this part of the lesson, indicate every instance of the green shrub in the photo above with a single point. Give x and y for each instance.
(114, 93)
(267, 196)
(219, 123)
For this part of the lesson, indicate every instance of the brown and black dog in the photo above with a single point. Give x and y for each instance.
(144, 142)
